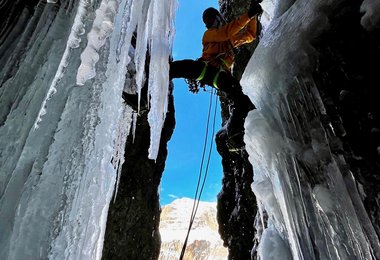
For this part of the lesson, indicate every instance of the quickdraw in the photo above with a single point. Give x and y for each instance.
(195, 84)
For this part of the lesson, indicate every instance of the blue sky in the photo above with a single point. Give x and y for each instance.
(186, 145)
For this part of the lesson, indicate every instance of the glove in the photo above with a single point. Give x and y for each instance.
(254, 9)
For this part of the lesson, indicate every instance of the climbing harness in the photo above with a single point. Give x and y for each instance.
(202, 75)
(215, 80)
(195, 84)
(219, 57)
(197, 195)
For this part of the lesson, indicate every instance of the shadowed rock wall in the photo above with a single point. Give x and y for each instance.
(133, 219)
(236, 201)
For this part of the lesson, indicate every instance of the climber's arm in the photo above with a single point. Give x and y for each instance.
(252, 27)
(227, 31)
(246, 36)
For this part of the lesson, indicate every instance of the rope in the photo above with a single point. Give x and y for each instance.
(197, 196)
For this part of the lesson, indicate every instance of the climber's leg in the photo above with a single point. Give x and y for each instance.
(189, 69)
(231, 86)
(239, 108)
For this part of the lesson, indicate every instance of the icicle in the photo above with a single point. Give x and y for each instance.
(125, 123)
(126, 17)
(134, 124)
(101, 30)
(143, 32)
(73, 42)
(129, 28)
(261, 213)
(158, 88)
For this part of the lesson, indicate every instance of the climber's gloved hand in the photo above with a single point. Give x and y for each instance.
(254, 9)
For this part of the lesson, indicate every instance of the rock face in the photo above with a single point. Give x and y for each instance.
(236, 201)
(204, 241)
(133, 219)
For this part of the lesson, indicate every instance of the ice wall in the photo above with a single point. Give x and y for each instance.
(63, 122)
(310, 197)
(152, 21)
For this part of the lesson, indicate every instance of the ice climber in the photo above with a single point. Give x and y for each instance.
(219, 41)
(214, 67)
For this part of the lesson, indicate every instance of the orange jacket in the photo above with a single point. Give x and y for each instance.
(218, 43)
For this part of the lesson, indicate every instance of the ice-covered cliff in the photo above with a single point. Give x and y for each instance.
(63, 123)
(302, 142)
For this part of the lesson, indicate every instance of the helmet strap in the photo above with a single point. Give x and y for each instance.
(218, 22)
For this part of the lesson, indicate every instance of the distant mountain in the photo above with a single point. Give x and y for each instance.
(204, 241)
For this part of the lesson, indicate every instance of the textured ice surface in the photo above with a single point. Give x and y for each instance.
(63, 123)
(308, 193)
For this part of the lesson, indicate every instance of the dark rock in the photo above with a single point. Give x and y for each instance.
(345, 76)
(133, 219)
(236, 202)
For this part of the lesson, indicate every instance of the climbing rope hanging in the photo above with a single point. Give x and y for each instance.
(199, 190)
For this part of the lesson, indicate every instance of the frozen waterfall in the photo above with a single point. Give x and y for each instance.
(63, 123)
(310, 197)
